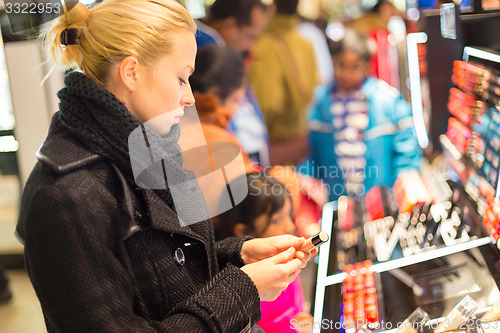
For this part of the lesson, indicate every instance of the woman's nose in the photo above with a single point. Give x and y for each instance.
(188, 98)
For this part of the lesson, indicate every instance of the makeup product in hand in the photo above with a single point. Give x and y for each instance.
(314, 241)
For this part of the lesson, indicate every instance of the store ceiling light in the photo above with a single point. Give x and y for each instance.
(335, 31)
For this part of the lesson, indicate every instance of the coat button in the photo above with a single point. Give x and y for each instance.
(179, 256)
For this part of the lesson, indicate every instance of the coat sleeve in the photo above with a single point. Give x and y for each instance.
(83, 287)
(229, 251)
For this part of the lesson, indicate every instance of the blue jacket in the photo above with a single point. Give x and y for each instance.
(390, 139)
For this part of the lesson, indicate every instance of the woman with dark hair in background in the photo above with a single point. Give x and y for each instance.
(218, 87)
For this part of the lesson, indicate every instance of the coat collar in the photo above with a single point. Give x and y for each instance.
(63, 153)
(63, 158)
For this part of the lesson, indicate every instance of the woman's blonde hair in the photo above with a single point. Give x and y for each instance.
(115, 29)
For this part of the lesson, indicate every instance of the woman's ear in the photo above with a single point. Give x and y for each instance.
(240, 230)
(129, 72)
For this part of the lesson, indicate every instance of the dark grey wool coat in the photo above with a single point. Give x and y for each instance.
(94, 270)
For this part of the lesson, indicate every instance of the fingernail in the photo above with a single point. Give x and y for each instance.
(291, 250)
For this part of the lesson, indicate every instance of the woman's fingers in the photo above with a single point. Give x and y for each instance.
(292, 277)
(304, 257)
(283, 242)
(292, 266)
(284, 256)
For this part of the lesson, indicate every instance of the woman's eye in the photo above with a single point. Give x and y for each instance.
(276, 220)
(183, 82)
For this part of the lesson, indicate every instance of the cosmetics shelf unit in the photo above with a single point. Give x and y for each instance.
(472, 142)
(434, 255)
(434, 277)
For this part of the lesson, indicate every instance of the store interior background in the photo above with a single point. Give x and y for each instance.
(26, 107)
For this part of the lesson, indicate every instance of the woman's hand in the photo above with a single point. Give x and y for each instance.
(272, 275)
(258, 249)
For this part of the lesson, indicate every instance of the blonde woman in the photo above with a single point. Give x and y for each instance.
(104, 254)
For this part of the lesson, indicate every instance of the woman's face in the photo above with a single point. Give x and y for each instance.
(279, 223)
(349, 70)
(164, 90)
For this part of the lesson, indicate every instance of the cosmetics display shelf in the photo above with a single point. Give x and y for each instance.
(467, 171)
(457, 160)
(444, 272)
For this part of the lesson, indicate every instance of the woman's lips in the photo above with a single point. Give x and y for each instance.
(177, 119)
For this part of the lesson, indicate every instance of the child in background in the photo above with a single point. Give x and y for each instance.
(267, 211)
(361, 130)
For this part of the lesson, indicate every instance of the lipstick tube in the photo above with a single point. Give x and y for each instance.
(314, 241)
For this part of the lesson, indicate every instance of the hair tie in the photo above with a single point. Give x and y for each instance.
(69, 37)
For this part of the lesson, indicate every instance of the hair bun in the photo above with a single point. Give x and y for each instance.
(64, 35)
(75, 14)
(98, 38)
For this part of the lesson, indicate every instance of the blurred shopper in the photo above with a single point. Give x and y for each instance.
(385, 62)
(314, 35)
(284, 74)
(361, 129)
(233, 23)
(105, 253)
(377, 18)
(218, 87)
(237, 24)
(267, 211)
(5, 292)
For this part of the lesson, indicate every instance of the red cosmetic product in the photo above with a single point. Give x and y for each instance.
(459, 134)
(374, 205)
(360, 294)
(345, 213)
(409, 190)
(465, 106)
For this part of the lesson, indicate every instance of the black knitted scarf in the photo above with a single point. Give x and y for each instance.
(103, 124)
